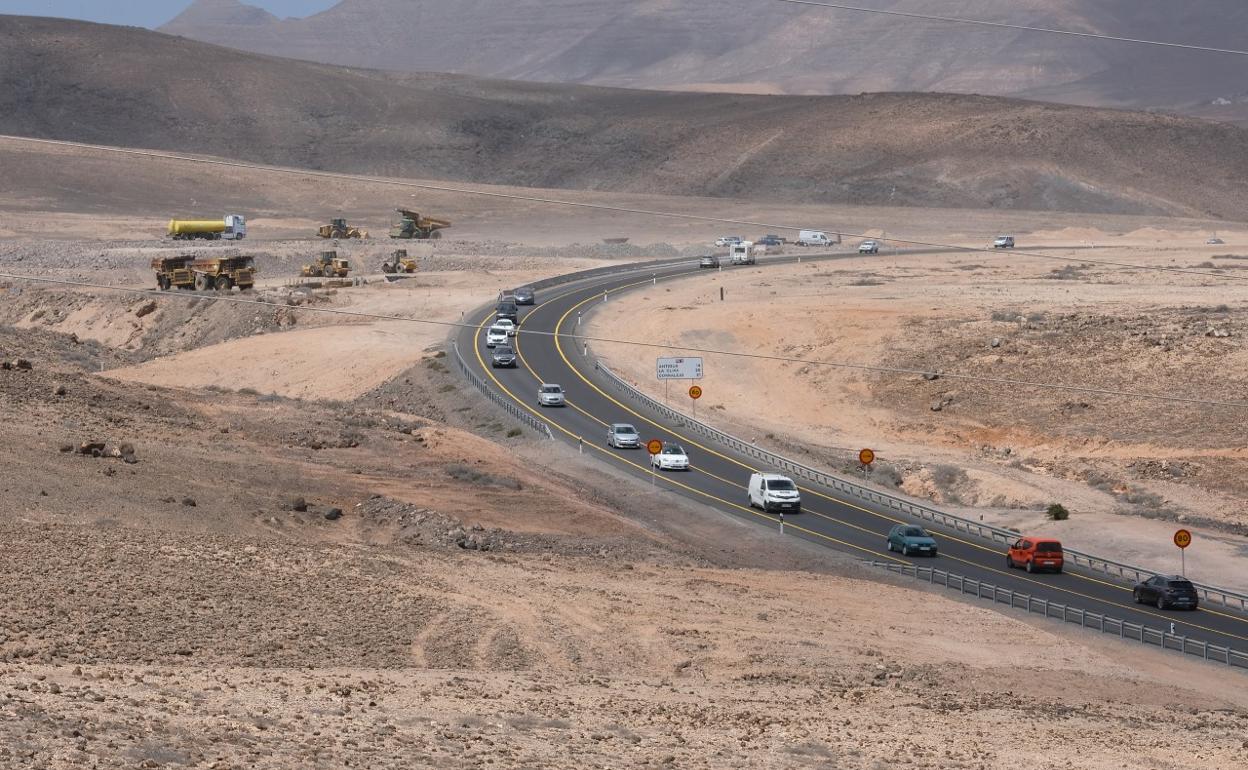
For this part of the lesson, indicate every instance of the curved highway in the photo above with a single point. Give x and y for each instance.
(718, 476)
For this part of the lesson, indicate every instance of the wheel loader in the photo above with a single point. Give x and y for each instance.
(328, 265)
(399, 262)
(413, 225)
(338, 228)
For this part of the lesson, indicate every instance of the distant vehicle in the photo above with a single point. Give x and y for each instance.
(1167, 591)
(231, 227)
(550, 394)
(813, 238)
(1215, 241)
(672, 458)
(507, 324)
(495, 335)
(727, 240)
(773, 492)
(909, 539)
(507, 309)
(743, 253)
(1034, 554)
(505, 356)
(621, 435)
(1003, 242)
(769, 240)
(525, 295)
(708, 261)
(869, 247)
(780, 238)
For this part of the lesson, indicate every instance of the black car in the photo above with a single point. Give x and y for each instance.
(507, 309)
(1167, 591)
(709, 261)
(504, 355)
(769, 240)
(525, 295)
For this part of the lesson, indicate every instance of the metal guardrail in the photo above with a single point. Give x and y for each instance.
(1068, 614)
(1125, 572)
(504, 401)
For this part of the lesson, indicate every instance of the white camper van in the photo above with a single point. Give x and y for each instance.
(743, 253)
(773, 492)
(813, 238)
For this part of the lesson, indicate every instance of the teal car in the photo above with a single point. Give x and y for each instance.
(911, 540)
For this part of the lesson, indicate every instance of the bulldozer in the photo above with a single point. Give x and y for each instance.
(399, 262)
(338, 228)
(328, 265)
(413, 225)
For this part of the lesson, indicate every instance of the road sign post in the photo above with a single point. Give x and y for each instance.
(1183, 539)
(653, 446)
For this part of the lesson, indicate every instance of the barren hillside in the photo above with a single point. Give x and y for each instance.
(136, 88)
(765, 46)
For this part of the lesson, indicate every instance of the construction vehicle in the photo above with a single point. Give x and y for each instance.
(206, 274)
(399, 262)
(328, 265)
(338, 228)
(231, 227)
(413, 225)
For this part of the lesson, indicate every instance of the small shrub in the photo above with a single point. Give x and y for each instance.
(514, 432)
(1005, 316)
(1057, 512)
(249, 391)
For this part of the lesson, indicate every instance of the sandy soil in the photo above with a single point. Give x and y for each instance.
(1127, 468)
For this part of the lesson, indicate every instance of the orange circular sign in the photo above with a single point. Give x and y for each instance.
(654, 446)
(695, 392)
(1182, 538)
(866, 457)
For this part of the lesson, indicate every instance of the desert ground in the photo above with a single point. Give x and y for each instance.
(1127, 468)
(305, 541)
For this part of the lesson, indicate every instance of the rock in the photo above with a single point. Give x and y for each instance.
(58, 389)
(333, 514)
(146, 309)
(126, 453)
(299, 504)
(930, 376)
(938, 405)
(189, 502)
(996, 342)
(66, 448)
(92, 448)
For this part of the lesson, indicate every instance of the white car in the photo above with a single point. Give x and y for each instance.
(869, 247)
(672, 458)
(727, 240)
(506, 323)
(550, 394)
(1003, 242)
(496, 335)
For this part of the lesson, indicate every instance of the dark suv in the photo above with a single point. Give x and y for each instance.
(1167, 591)
(507, 309)
(769, 240)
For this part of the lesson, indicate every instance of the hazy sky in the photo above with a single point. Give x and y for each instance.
(144, 13)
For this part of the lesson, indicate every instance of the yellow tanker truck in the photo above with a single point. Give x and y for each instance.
(231, 227)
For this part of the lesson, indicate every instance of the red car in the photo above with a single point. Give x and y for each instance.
(1034, 554)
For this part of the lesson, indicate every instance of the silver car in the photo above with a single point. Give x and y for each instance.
(621, 435)
(550, 394)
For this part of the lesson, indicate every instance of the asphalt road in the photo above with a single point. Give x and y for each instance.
(718, 476)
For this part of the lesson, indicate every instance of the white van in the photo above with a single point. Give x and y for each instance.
(773, 492)
(743, 253)
(813, 238)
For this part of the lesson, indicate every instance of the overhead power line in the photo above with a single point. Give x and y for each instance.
(594, 206)
(1021, 27)
(637, 343)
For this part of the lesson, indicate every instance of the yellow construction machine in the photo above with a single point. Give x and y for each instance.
(413, 225)
(328, 265)
(399, 262)
(338, 228)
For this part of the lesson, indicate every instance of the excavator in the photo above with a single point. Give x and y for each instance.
(413, 225)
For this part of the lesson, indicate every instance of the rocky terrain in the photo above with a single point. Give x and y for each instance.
(783, 49)
(872, 149)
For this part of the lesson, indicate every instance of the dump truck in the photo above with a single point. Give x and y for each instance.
(413, 225)
(399, 262)
(231, 227)
(204, 274)
(328, 265)
(338, 228)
